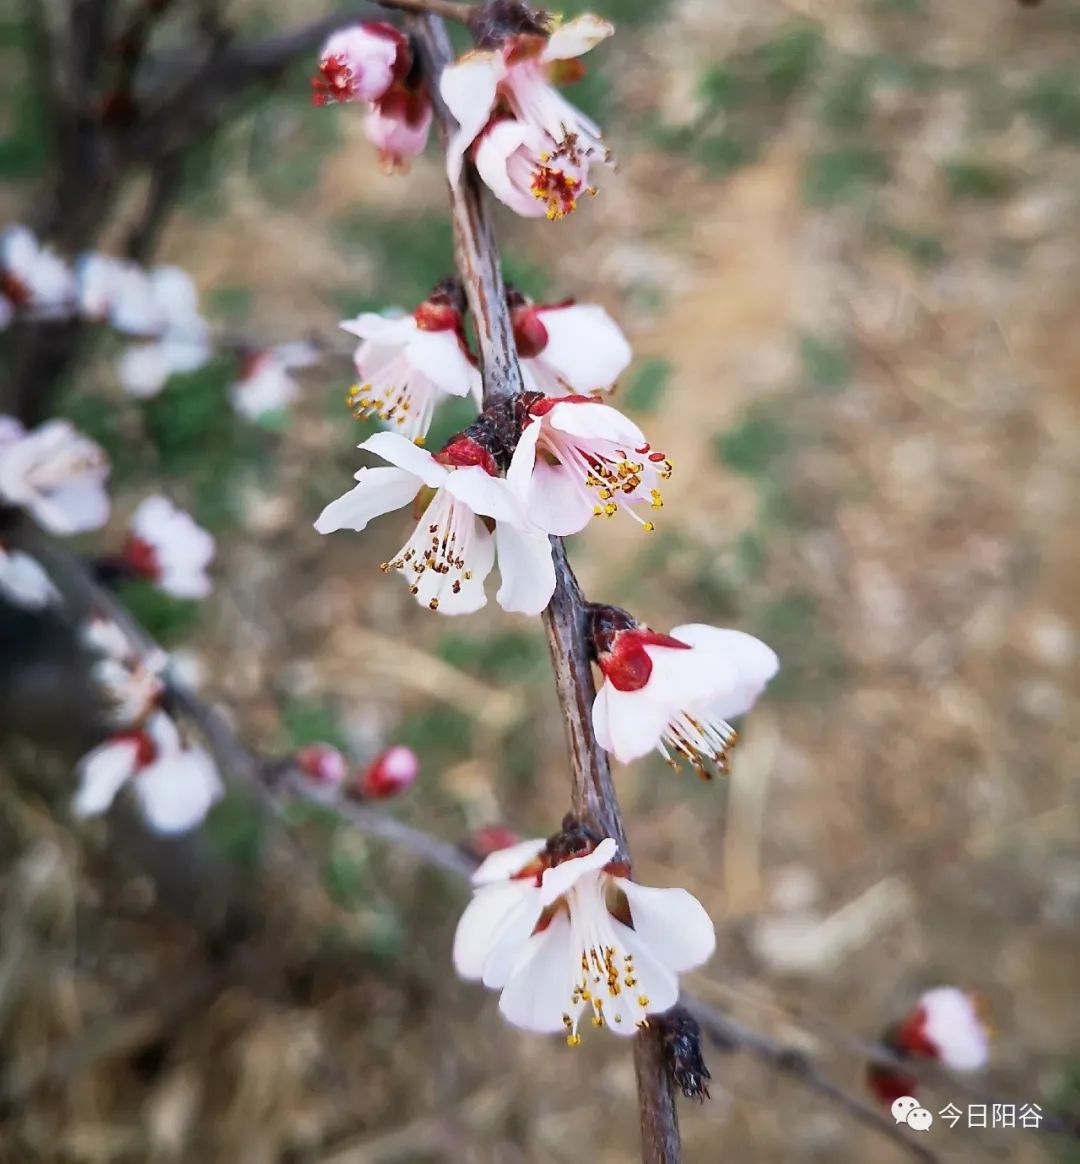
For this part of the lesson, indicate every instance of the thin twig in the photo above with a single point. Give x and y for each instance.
(593, 794)
(730, 1035)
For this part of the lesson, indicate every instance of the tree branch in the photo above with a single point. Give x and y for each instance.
(593, 794)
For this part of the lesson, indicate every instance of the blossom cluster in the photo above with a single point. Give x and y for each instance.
(558, 926)
(156, 311)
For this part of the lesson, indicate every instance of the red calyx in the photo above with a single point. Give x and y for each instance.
(889, 1083)
(431, 316)
(627, 664)
(911, 1035)
(546, 403)
(462, 451)
(141, 557)
(530, 335)
(14, 289)
(145, 748)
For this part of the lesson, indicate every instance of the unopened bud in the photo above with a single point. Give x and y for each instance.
(680, 1036)
(491, 839)
(323, 763)
(389, 774)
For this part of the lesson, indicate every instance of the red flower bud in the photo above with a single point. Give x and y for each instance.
(389, 774)
(322, 763)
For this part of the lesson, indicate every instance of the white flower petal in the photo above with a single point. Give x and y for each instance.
(376, 492)
(504, 863)
(597, 421)
(469, 87)
(538, 992)
(753, 662)
(564, 876)
(628, 724)
(495, 151)
(24, 582)
(481, 924)
(408, 456)
(143, 369)
(672, 923)
(575, 37)
(526, 568)
(484, 494)
(102, 773)
(389, 330)
(178, 790)
(586, 349)
(952, 1024)
(438, 355)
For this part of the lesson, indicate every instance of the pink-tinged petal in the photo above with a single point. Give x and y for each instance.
(562, 877)
(401, 452)
(628, 724)
(585, 347)
(377, 491)
(396, 137)
(177, 791)
(539, 990)
(523, 462)
(389, 330)
(557, 503)
(438, 355)
(576, 37)
(595, 420)
(24, 583)
(505, 863)
(480, 925)
(469, 88)
(368, 59)
(102, 773)
(753, 663)
(496, 164)
(672, 923)
(526, 569)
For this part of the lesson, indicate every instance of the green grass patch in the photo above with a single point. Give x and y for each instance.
(306, 722)
(510, 656)
(1053, 103)
(972, 180)
(752, 446)
(168, 620)
(826, 366)
(923, 248)
(648, 384)
(842, 174)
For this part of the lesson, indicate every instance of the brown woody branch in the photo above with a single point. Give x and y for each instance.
(593, 794)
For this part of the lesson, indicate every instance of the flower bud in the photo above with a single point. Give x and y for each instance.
(389, 774)
(323, 763)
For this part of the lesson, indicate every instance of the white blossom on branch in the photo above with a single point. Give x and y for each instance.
(531, 147)
(674, 693)
(559, 927)
(466, 513)
(55, 473)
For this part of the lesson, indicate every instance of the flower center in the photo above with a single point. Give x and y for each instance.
(142, 557)
(335, 81)
(436, 557)
(555, 181)
(14, 289)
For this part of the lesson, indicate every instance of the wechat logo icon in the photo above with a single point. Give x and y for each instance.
(908, 1110)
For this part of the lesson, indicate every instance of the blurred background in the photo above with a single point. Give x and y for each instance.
(844, 241)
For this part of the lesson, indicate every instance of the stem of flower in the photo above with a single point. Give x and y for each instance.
(593, 794)
(446, 9)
